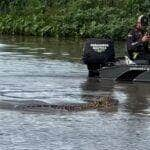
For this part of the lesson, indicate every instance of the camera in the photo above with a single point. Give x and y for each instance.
(145, 20)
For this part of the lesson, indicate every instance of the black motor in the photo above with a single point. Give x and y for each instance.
(98, 53)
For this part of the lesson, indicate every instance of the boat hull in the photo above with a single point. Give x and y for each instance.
(134, 73)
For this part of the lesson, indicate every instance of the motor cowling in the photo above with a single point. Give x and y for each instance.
(98, 51)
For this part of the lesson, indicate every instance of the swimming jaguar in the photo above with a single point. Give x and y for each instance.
(40, 106)
(103, 102)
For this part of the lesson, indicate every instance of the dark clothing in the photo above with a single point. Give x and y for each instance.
(137, 49)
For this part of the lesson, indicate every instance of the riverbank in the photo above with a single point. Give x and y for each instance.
(79, 18)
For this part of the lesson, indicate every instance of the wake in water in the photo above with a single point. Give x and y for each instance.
(39, 106)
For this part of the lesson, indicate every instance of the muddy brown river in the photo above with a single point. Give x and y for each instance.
(51, 71)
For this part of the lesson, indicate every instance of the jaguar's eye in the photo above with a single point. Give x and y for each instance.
(100, 102)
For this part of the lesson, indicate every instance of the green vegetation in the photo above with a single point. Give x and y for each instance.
(70, 18)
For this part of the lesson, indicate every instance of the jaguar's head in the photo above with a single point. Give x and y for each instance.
(106, 101)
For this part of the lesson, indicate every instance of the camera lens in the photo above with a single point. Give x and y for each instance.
(144, 21)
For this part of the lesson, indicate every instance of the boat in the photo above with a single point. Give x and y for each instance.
(99, 56)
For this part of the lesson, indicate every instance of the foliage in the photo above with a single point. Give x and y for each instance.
(71, 18)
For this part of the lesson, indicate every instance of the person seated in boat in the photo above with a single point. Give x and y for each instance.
(138, 40)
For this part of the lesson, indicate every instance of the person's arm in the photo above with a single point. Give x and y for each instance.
(133, 44)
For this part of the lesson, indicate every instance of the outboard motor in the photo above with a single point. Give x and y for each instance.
(98, 53)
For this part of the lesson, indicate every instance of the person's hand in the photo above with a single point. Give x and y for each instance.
(146, 38)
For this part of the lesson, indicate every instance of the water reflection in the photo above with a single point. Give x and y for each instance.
(43, 47)
(136, 97)
(94, 87)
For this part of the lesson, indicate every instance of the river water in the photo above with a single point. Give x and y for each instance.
(51, 70)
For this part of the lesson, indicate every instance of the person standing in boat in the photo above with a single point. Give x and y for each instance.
(138, 40)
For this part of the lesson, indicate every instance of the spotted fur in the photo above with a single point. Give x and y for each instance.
(103, 102)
